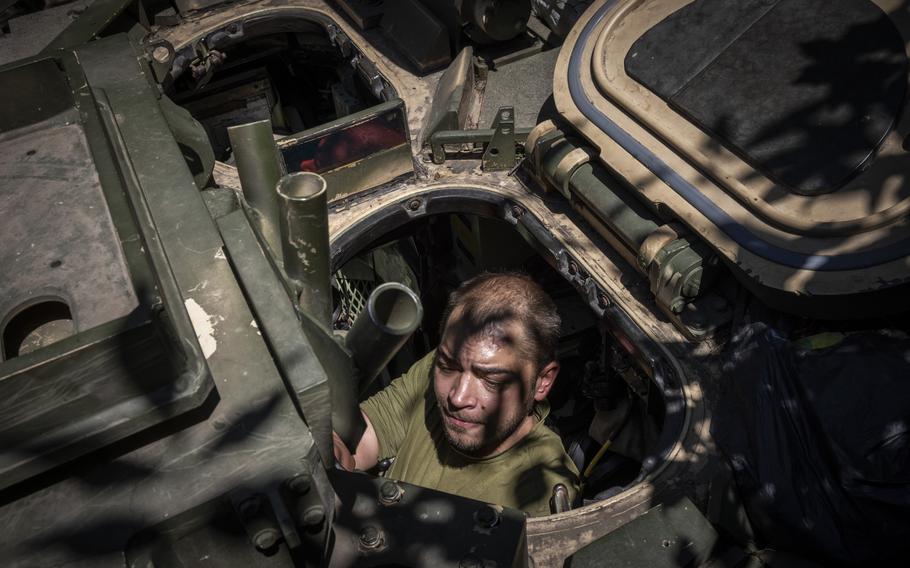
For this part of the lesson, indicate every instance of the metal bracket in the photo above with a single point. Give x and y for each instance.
(498, 142)
(500, 152)
(364, 66)
(203, 66)
(161, 56)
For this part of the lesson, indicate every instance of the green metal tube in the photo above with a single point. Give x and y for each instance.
(677, 270)
(304, 227)
(614, 204)
(391, 315)
(259, 167)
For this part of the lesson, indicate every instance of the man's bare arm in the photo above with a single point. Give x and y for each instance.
(366, 455)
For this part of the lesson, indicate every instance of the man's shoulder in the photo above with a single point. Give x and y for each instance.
(417, 382)
(423, 366)
(393, 410)
(418, 376)
(547, 451)
(546, 444)
(409, 385)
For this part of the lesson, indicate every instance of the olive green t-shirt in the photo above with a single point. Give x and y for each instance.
(409, 427)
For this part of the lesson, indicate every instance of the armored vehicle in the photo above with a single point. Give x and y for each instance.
(226, 222)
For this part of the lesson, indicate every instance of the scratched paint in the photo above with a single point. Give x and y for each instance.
(204, 325)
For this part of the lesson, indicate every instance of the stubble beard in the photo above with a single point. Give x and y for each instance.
(472, 446)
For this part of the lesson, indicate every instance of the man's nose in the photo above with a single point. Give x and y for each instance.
(462, 395)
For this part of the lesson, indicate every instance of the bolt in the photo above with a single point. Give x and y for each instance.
(603, 301)
(233, 28)
(313, 517)
(390, 492)
(487, 517)
(265, 539)
(371, 537)
(470, 561)
(517, 211)
(414, 204)
(665, 543)
(573, 268)
(161, 54)
(300, 484)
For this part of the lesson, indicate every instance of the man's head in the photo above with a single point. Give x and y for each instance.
(496, 358)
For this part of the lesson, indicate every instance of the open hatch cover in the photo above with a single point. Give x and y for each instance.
(772, 128)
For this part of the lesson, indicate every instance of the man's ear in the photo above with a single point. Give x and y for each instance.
(545, 380)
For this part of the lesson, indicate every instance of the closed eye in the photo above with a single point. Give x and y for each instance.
(494, 385)
(496, 375)
(445, 364)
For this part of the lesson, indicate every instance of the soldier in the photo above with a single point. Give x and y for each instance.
(468, 417)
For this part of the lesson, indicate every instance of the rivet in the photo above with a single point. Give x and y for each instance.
(313, 517)
(300, 484)
(265, 539)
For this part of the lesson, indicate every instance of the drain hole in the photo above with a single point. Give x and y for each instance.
(37, 326)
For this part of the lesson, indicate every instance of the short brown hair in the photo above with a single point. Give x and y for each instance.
(492, 298)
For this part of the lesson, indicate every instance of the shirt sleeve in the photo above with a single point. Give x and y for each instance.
(391, 409)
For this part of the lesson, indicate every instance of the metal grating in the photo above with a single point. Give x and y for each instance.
(354, 293)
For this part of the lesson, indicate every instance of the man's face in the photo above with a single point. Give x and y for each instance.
(486, 386)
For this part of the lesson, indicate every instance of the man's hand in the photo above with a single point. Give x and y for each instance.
(343, 456)
(367, 453)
